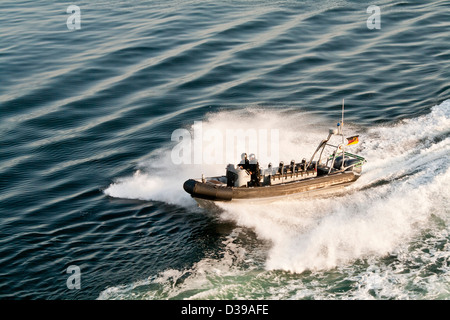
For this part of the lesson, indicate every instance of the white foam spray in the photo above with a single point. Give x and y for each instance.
(160, 179)
(402, 193)
(404, 183)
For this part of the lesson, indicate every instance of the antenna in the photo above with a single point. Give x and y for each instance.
(342, 121)
(342, 131)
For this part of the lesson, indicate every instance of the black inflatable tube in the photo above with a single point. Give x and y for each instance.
(204, 191)
(208, 191)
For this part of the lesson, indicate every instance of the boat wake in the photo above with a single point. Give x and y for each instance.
(403, 186)
(380, 222)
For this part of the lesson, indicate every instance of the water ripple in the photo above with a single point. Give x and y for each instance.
(80, 109)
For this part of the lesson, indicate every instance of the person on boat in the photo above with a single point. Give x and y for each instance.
(245, 163)
(255, 175)
(281, 168)
(304, 164)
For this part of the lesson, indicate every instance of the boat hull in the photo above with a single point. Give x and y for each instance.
(214, 192)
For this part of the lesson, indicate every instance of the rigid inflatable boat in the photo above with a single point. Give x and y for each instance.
(247, 181)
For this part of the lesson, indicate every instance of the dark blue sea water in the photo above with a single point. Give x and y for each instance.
(87, 117)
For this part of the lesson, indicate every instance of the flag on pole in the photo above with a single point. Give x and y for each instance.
(352, 140)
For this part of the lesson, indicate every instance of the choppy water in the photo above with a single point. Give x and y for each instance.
(85, 164)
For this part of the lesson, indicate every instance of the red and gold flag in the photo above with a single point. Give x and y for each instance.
(352, 140)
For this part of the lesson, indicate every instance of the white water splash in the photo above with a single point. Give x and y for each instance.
(404, 183)
(402, 195)
(160, 180)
